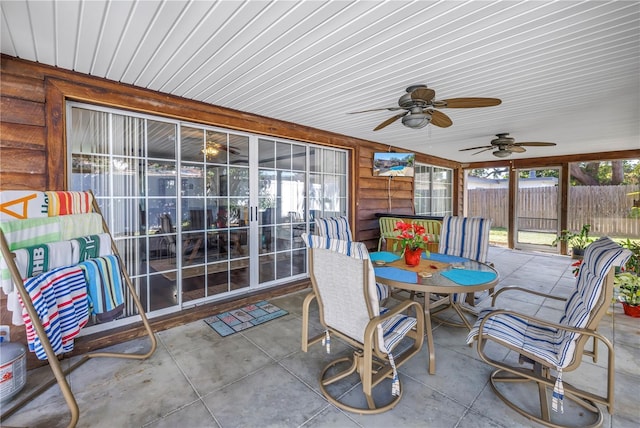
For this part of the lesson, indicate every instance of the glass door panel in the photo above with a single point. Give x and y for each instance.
(282, 199)
(537, 209)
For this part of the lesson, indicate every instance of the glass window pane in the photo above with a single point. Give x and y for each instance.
(161, 140)
(216, 148)
(162, 178)
(128, 136)
(283, 156)
(298, 158)
(191, 144)
(266, 153)
(90, 131)
(238, 149)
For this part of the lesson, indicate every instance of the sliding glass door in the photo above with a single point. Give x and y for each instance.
(200, 213)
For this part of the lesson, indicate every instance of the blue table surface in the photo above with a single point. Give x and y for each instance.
(459, 276)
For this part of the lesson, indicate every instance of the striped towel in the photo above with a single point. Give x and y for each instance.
(65, 203)
(104, 285)
(75, 225)
(34, 260)
(90, 247)
(60, 299)
(22, 204)
(32, 231)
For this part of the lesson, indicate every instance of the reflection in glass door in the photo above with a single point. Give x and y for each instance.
(196, 213)
(281, 210)
(537, 209)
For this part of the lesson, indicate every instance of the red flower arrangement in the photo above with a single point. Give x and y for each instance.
(412, 236)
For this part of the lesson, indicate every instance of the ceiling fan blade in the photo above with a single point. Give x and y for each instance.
(482, 151)
(423, 94)
(389, 121)
(467, 102)
(535, 144)
(515, 148)
(476, 148)
(376, 109)
(440, 119)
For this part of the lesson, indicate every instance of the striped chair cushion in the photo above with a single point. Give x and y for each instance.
(334, 227)
(557, 346)
(465, 237)
(394, 329)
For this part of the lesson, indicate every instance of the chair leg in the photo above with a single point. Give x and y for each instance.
(306, 342)
(366, 370)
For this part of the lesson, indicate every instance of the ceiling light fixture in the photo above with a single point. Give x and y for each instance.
(416, 119)
(210, 151)
(501, 153)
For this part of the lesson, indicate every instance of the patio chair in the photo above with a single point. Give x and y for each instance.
(343, 280)
(466, 237)
(168, 241)
(336, 228)
(560, 346)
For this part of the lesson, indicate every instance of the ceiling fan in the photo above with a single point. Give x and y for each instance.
(419, 104)
(506, 145)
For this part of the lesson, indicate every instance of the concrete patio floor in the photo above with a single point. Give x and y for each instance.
(261, 378)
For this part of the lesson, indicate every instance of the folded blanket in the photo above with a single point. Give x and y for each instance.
(90, 247)
(60, 299)
(76, 225)
(104, 286)
(36, 259)
(22, 204)
(65, 203)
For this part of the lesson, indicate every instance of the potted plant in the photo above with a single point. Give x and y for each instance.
(577, 241)
(413, 239)
(628, 290)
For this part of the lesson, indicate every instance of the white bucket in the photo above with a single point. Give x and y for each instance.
(13, 366)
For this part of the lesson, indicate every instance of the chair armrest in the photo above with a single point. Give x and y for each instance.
(400, 307)
(524, 290)
(541, 322)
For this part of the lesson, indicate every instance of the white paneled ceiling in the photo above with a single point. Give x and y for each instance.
(567, 72)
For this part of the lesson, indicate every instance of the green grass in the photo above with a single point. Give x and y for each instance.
(498, 236)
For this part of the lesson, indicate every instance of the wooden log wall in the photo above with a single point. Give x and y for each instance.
(33, 150)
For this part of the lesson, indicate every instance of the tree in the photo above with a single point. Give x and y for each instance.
(604, 173)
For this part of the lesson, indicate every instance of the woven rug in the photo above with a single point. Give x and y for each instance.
(243, 318)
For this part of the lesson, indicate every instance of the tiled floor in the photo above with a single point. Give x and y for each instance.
(260, 378)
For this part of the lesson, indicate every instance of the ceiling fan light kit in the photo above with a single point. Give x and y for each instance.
(501, 153)
(416, 120)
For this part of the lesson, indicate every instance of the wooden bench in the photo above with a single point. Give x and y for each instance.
(388, 235)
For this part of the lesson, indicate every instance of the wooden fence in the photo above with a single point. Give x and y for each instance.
(606, 208)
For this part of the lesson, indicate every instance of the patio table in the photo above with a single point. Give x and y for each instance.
(437, 273)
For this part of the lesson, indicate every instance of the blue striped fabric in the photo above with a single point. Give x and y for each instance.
(60, 299)
(557, 346)
(104, 287)
(465, 237)
(334, 227)
(394, 329)
(350, 248)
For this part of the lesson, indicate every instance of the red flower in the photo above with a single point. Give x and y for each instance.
(576, 266)
(411, 236)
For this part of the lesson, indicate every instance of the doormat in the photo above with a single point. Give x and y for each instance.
(243, 318)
